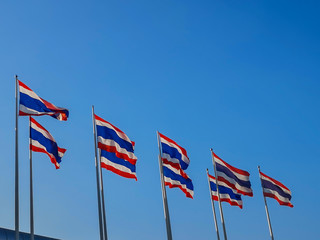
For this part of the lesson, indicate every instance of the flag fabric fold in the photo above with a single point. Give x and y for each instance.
(173, 154)
(275, 189)
(117, 150)
(32, 105)
(173, 179)
(111, 162)
(235, 178)
(42, 141)
(227, 194)
(174, 161)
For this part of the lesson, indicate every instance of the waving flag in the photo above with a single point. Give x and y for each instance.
(173, 178)
(42, 141)
(32, 105)
(275, 189)
(173, 154)
(226, 193)
(174, 161)
(117, 150)
(235, 178)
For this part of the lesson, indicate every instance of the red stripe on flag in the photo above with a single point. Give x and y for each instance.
(184, 152)
(38, 124)
(118, 154)
(275, 181)
(117, 171)
(237, 170)
(170, 185)
(270, 195)
(23, 85)
(215, 198)
(53, 160)
(221, 179)
(176, 166)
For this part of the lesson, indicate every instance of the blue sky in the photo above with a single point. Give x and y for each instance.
(241, 77)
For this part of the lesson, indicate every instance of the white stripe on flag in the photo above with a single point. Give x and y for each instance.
(270, 180)
(171, 159)
(183, 157)
(28, 92)
(175, 182)
(120, 134)
(113, 143)
(281, 198)
(38, 145)
(46, 134)
(117, 166)
(232, 181)
(240, 176)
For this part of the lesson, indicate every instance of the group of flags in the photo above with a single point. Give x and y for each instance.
(41, 140)
(227, 194)
(235, 182)
(230, 183)
(117, 155)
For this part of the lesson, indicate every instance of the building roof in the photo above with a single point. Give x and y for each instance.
(7, 234)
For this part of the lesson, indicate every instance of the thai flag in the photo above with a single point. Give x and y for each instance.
(173, 178)
(226, 193)
(173, 154)
(42, 141)
(275, 189)
(32, 105)
(174, 161)
(235, 178)
(117, 150)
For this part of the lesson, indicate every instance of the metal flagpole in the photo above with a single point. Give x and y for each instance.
(97, 174)
(266, 207)
(102, 199)
(16, 165)
(217, 184)
(213, 209)
(164, 193)
(31, 186)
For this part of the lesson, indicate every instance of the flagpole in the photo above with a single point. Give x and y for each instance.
(217, 184)
(31, 186)
(16, 165)
(213, 209)
(102, 198)
(97, 174)
(164, 193)
(266, 207)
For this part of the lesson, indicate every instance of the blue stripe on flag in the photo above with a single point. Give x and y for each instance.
(51, 147)
(37, 105)
(230, 174)
(225, 190)
(170, 174)
(113, 158)
(269, 185)
(174, 153)
(108, 133)
(32, 103)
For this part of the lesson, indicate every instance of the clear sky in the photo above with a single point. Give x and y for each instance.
(239, 76)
